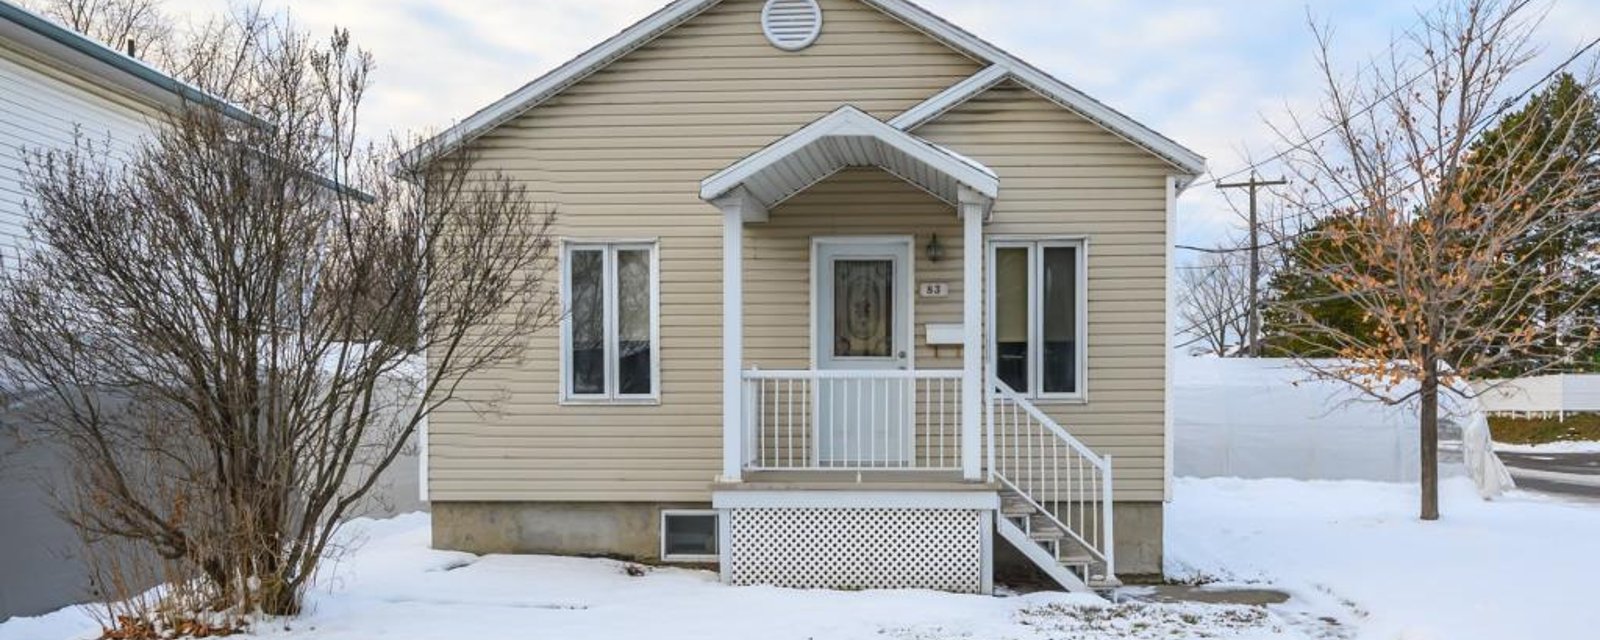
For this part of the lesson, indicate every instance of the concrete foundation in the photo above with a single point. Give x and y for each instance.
(628, 530)
(1139, 530)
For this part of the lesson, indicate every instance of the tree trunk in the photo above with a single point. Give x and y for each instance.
(1429, 428)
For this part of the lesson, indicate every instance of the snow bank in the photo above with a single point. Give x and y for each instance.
(1519, 567)
(1269, 418)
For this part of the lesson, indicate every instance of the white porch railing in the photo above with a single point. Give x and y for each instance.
(1068, 484)
(852, 420)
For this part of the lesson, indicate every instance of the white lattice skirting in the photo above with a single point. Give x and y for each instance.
(857, 548)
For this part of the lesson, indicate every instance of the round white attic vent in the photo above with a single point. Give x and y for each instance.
(791, 25)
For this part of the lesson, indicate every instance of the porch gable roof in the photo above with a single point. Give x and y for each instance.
(849, 137)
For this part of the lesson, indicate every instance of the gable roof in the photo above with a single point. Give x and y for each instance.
(98, 62)
(1003, 66)
(849, 137)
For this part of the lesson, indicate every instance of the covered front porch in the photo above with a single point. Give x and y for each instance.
(861, 425)
(852, 326)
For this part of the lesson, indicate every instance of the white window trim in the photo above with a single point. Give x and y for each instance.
(716, 533)
(1035, 327)
(610, 247)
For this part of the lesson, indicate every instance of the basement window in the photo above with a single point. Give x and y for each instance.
(689, 536)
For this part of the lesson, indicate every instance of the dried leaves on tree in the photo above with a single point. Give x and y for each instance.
(1430, 214)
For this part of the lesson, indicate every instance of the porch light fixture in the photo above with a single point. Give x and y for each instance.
(935, 250)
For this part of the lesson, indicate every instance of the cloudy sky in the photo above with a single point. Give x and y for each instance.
(1208, 74)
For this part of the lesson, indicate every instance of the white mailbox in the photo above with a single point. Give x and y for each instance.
(944, 334)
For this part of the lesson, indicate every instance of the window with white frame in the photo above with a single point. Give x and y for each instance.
(1038, 316)
(610, 334)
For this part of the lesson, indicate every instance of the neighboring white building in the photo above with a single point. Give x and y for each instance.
(56, 85)
(1552, 395)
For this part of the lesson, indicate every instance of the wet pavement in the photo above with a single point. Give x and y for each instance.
(1573, 475)
(1172, 593)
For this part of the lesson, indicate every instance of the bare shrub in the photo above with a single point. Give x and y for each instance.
(235, 331)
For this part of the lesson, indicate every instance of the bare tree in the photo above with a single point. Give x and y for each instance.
(1214, 304)
(238, 329)
(138, 27)
(1432, 215)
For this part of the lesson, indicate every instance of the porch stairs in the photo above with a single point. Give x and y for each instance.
(1055, 496)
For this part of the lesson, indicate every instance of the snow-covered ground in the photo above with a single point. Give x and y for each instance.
(1351, 553)
(1522, 566)
(1576, 446)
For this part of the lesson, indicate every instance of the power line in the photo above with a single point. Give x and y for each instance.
(1256, 165)
(1487, 120)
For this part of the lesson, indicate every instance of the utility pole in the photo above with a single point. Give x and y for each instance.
(1253, 323)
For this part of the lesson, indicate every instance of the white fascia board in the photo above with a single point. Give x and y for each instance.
(864, 499)
(1111, 119)
(557, 80)
(642, 32)
(1047, 85)
(850, 121)
(958, 93)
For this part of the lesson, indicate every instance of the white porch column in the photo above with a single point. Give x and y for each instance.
(737, 207)
(732, 344)
(974, 208)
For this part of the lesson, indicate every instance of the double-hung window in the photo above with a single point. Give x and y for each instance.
(610, 336)
(1037, 316)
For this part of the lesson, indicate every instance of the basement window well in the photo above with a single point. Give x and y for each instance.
(689, 536)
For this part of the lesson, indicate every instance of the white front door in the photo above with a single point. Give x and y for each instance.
(862, 322)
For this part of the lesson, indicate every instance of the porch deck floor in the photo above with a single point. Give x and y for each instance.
(830, 480)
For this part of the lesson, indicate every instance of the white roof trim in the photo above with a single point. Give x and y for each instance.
(1057, 91)
(557, 80)
(642, 32)
(942, 102)
(850, 121)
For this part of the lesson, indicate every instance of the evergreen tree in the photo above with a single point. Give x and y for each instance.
(1564, 119)
(1298, 286)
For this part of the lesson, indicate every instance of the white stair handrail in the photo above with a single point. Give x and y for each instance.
(1097, 537)
(1049, 423)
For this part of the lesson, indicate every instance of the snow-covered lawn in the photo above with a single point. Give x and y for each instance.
(1522, 566)
(1349, 552)
(1574, 446)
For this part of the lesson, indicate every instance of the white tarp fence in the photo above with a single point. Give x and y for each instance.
(1558, 394)
(1269, 418)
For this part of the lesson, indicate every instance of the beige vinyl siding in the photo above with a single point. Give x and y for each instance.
(778, 293)
(854, 202)
(621, 156)
(1062, 175)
